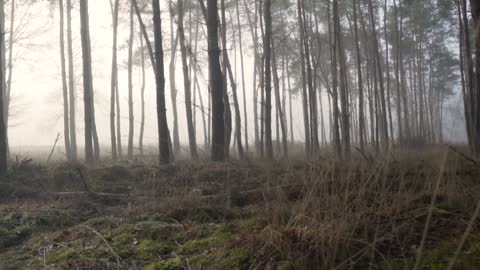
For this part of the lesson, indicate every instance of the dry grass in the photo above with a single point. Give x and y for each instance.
(395, 211)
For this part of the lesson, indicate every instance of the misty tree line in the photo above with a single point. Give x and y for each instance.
(369, 74)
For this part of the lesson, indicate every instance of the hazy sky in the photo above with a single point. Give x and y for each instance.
(37, 105)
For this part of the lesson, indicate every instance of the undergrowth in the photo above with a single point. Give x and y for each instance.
(398, 211)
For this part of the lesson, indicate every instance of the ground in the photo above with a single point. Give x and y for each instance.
(376, 211)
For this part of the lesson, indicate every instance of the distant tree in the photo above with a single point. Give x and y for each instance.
(114, 81)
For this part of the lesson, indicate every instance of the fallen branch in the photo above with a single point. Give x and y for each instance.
(463, 155)
(53, 148)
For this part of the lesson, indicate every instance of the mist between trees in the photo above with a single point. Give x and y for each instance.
(238, 79)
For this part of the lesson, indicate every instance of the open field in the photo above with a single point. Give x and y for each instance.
(387, 212)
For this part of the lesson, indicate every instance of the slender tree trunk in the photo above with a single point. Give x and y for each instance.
(242, 67)
(114, 80)
(173, 88)
(186, 83)
(142, 96)
(306, 116)
(475, 6)
(361, 115)
(87, 83)
(131, 120)
(278, 102)
(343, 83)
(66, 126)
(3, 128)
(334, 68)
(216, 83)
(290, 101)
(71, 84)
(226, 100)
(10, 69)
(163, 133)
(268, 79)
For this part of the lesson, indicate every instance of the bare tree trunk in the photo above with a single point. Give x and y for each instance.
(304, 81)
(216, 83)
(267, 43)
(245, 118)
(10, 69)
(142, 97)
(71, 84)
(376, 49)
(163, 133)
(173, 88)
(87, 83)
(131, 120)
(226, 101)
(475, 6)
(290, 100)
(114, 79)
(186, 83)
(343, 83)
(334, 68)
(3, 128)
(361, 114)
(66, 126)
(279, 107)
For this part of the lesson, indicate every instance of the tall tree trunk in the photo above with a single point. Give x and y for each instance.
(279, 107)
(267, 43)
(186, 83)
(334, 68)
(476, 91)
(306, 117)
(131, 120)
(142, 97)
(378, 60)
(10, 68)
(66, 126)
(71, 84)
(3, 128)
(163, 133)
(216, 83)
(242, 67)
(361, 115)
(173, 88)
(226, 101)
(87, 83)
(114, 79)
(345, 115)
(290, 101)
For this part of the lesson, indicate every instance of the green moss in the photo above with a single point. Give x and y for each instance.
(9, 238)
(236, 258)
(149, 249)
(61, 255)
(170, 264)
(198, 245)
(199, 261)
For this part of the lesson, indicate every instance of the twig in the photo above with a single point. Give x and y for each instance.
(53, 148)
(363, 154)
(106, 242)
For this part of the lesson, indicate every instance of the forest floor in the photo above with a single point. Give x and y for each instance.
(387, 212)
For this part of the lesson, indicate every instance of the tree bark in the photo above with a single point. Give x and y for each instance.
(66, 125)
(186, 83)
(114, 79)
(163, 133)
(87, 83)
(216, 83)
(131, 120)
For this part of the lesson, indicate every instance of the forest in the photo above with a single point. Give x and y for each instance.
(239, 134)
